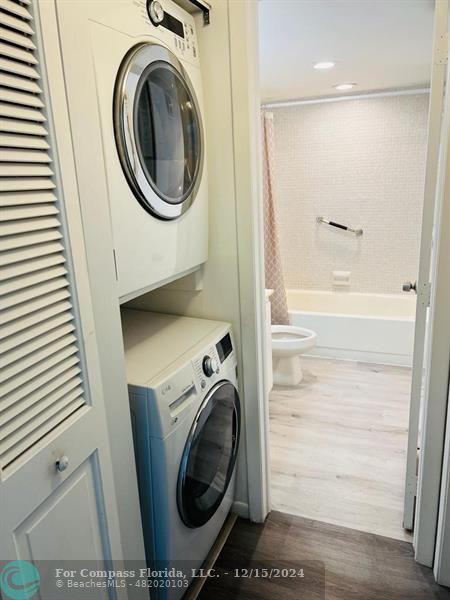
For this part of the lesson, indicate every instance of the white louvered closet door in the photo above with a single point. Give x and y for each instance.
(51, 404)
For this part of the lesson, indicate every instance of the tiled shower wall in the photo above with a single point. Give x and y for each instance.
(359, 162)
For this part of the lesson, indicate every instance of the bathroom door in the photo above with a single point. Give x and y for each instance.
(57, 496)
(426, 315)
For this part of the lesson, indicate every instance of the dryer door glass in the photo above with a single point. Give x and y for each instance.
(209, 455)
(167, 132)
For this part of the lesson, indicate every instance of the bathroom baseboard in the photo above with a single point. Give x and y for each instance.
(378, 358)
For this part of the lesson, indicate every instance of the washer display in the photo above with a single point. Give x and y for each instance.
(158, 130)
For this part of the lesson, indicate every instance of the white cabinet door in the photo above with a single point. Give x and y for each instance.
(52, 411)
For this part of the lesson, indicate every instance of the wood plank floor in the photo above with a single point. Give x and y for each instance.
(339, 564)
(338, 445)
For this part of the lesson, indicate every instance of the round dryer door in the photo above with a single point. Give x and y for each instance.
(158, 130)
(210, 455)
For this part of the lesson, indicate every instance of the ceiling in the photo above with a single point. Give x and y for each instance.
(378, 44)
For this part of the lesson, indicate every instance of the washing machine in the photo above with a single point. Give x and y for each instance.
(150, 103)
(186, 420)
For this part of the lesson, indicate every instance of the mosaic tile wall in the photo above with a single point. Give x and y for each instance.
(360, 162)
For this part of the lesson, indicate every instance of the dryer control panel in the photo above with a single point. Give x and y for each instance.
(173, 24)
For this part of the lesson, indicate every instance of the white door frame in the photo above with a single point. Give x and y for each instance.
(243, 31)
(434, 424)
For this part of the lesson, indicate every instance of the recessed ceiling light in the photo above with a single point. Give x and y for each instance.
(326, 64)
(344, 86)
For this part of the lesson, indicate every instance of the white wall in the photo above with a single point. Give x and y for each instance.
(360, 162)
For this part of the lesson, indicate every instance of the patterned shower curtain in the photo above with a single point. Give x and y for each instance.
(273, 268)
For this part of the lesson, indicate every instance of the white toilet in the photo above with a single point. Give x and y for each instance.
(288, 343)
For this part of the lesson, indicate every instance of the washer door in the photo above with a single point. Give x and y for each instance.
(158, 130)
(209, 455)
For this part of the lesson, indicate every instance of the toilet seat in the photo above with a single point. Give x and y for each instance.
(288, 339)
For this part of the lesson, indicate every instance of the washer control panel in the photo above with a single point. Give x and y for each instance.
(210, 366)
(212, 361)
(206, 365)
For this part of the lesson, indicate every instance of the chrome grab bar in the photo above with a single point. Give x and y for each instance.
(357, 232)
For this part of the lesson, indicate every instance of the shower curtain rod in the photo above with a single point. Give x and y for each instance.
(286, 103)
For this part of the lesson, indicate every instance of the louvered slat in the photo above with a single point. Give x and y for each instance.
(68, 393)
(18, 199)
(15, 213)
(17, 410)
(17, 184)
(41, 385)
(14, 256)
(13, 227)
(13, 22)
(29, 239)
(30, 306)
(21, 113)
(17, 68)
(40, 374)
(24, 156)
(48, 422)
(19, 83)
(28, 340)
(13, 357)
(16, 53)
(31, 279)
(35, 291)
(34, 319)
(26, 362)
(13, 140)
(55, 268)
(16, 38)
(15, 8)
(26, 127)
(9, 95)
(20, 170)
(29, 377)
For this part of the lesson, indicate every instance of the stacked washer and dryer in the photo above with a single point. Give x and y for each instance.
(181, 371)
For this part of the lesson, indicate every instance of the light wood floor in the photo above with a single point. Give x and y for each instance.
(338, 445)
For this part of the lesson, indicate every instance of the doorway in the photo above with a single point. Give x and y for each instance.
(345, 144)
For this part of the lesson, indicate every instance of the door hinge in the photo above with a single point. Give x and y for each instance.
(442, 50)
(424, 294)
(115, 264)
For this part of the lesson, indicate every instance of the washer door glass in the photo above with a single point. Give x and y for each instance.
(209, 455)
(167, 132)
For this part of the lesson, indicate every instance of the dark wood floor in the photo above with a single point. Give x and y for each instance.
(338, 564)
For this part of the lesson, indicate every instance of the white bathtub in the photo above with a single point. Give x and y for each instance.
(376, 328)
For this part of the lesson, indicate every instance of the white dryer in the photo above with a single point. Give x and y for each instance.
(186, 420)
(150, 102)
